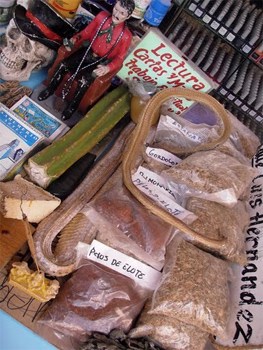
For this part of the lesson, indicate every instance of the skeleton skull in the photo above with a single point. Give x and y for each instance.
(21, 55)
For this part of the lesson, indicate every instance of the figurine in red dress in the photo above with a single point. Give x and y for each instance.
(103, 47)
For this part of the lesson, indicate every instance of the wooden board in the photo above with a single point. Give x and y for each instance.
(12, 238)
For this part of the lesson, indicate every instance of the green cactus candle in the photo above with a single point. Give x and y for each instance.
(51, 162)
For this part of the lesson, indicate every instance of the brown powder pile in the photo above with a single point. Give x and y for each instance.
(129, 216)
(95, 298)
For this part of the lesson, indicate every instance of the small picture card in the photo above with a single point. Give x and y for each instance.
(18, 140)
(30, 111)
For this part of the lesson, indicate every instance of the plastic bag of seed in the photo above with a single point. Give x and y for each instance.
(216, 221)
(244, 140)
(193, 288)
(170, 332)
(212, 175)
(177, 134)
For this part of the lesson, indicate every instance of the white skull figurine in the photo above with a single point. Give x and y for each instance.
(21, 55)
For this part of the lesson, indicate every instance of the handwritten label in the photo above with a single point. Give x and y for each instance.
(170, 123)
(141, 273)
(162, 156)
(192, 7)
(222, 31)
(246, 48)
(230, 37)
(245, 324)
(16, 303)
(157, 188)
(215, 25)
(198, 12)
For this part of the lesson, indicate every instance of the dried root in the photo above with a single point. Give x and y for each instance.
(12, 91)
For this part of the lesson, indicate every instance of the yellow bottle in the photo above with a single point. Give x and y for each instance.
(66, 8)
(140, 100)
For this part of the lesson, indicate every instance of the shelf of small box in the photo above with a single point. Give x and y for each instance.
(253, 121)
(219, 28)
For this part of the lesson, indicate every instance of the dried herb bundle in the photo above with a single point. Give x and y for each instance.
(117, 340)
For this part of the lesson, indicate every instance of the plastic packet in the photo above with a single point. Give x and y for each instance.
(178, 133)
(230, 149)
(197, 113)
(94, 298)
(162, 194)
(170, 332)
(110, 235)
(244, 140)
(217, 221)
(56, 338)
(241, 137)
(193, 288)
(213, 175)
(117, 206)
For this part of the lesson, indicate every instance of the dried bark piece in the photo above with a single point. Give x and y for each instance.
(117, 340)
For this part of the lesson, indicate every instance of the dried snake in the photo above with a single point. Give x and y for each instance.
(148, 118)
(48, 230)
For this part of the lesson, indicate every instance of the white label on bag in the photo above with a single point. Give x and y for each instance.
(157, 188)
(163, 156)
(141, 273)
(173, 124)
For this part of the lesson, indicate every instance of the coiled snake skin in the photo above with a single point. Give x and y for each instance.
(50, 260)
(134, 149)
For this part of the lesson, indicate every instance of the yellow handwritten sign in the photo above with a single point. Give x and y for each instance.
(156, 60)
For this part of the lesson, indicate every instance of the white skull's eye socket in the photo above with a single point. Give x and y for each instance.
(14, 33)
(27, 47)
